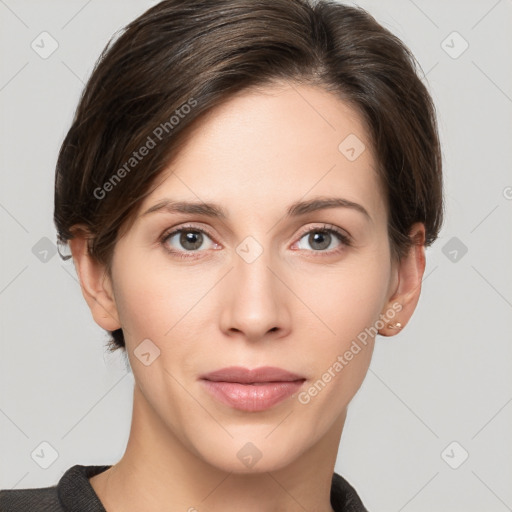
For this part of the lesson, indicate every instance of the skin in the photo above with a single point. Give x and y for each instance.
(296, 306)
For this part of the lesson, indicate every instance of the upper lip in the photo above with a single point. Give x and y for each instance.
(247, 376)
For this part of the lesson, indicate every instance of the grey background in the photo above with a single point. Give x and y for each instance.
(447, 377)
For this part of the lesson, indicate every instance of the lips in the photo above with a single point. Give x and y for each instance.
(246, 376)
(251, 390)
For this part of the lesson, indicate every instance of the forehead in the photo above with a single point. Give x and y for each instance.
(269, 147)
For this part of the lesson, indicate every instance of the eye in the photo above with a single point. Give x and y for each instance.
(186, 239)
(322, 238)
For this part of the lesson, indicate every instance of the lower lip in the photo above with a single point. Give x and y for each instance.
(252, 397)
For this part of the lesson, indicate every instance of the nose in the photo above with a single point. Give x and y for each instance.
(255, 301)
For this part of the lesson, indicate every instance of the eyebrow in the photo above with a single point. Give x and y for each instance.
(216, 211)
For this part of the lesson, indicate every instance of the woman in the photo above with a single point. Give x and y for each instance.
(247, 190)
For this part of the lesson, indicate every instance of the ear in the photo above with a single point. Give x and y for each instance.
(407, 278)
(95, 282)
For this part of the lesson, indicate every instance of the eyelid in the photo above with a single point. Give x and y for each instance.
(183, 227)
(327, 227)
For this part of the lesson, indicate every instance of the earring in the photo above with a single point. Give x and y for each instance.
(398, 325)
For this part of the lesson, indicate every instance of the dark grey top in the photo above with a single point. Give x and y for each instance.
(74, 493)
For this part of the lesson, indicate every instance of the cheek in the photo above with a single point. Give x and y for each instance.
(141, 311)
(346, 299)
(347, 302)
(151, 298)
(172, 308)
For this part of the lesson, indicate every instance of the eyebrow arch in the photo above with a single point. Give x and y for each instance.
(295, 210)
(321, 203)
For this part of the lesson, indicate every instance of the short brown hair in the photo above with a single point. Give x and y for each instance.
(199, 53)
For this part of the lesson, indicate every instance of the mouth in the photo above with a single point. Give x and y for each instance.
(252, 390)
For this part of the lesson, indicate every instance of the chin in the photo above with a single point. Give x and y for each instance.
(250, 457)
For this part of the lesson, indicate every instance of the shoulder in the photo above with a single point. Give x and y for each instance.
(44, 499)
(344, 497)
(73, 492)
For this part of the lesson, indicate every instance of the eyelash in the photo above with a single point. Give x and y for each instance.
(326, 228)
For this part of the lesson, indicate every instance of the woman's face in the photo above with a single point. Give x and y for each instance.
(261, 286)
